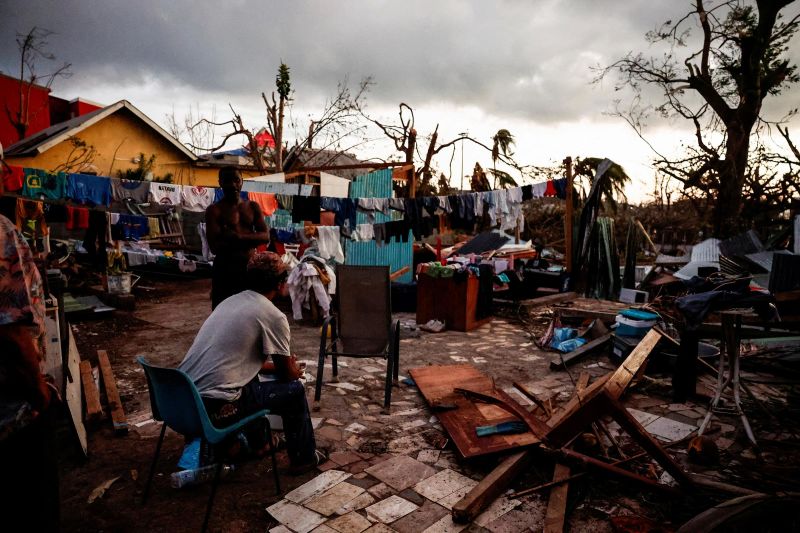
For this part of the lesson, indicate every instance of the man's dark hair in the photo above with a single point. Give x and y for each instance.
(229, 173)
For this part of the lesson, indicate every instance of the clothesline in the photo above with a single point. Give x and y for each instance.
(99, 191)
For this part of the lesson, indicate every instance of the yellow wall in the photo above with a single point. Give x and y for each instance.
(117, 140)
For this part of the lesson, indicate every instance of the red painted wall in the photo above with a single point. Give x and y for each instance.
(39, 109)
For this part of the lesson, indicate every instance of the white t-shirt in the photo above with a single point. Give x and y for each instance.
(195, 198)
(165, 193)
(232, 344)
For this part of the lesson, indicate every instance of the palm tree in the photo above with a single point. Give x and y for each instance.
(613, 186)
(502, 142)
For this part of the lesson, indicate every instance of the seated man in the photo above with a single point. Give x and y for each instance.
(240, 361)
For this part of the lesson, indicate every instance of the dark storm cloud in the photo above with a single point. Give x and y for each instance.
(515, 58)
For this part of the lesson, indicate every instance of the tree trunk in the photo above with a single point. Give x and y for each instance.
(731, 180)
(279, 137)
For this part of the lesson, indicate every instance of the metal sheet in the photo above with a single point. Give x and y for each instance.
(742, 244)
(707, 251)
(376, 184)
(394, 254)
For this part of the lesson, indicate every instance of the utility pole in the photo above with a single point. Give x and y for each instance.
(463, 134)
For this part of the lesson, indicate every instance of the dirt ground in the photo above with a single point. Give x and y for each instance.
(163, 325)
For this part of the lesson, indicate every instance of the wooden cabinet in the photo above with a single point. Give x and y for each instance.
(450, 300)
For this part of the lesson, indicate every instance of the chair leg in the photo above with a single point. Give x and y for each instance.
(153, 465)
(320, 372)
(274, 460)
(387, 401)
(396, 353)
(217, 472)
(334, 365)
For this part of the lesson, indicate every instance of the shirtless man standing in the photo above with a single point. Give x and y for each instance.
(234, 228)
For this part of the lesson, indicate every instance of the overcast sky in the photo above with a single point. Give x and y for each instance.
(478, 66)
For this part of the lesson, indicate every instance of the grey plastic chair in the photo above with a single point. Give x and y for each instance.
(362, 325)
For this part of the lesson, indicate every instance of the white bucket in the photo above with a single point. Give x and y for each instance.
(120, 284)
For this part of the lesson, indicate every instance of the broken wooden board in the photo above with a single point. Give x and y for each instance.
(579, 353)
(490, 487)
(632, 365)
(557, 505)
(550, 299)
(73, 393)
(437, 385)
(91, 395)
(112, 394)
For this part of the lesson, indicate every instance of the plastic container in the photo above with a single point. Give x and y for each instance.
(119, 284)
(194, 476)
(628, 327)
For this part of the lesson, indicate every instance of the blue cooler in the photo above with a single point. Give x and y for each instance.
(635, 322)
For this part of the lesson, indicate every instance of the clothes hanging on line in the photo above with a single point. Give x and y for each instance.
(166, 194)
(306, 208)
(196, 198)
(328, 243)
(89, 189)
(41, 184)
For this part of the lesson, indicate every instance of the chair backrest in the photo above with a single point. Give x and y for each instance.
(175, 400)
(364, 308)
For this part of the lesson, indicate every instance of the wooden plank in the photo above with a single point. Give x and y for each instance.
(576, 401)
(557, 505)
(73, 393)
(502, 400)
(437, 385)
(91, 396)
(583, 382)
(532, 397)
(394, 275)
(631, 366)
(609, 317)
(548, 300)
(118, 418)
(490, 487)
(579, 353)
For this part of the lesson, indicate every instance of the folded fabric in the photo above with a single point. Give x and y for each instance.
(89, 189)
(266, 201)
(195, 198)
(42, 184)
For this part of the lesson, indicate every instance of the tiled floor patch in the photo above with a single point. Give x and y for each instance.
(401, 472)
(390, 509)
(295, 517)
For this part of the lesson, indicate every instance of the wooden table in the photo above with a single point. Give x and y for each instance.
(450, 300)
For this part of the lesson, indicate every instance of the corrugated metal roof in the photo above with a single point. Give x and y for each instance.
(707, 251)
(376, 184)
(742, 244)
(395, 254)
(691, 269)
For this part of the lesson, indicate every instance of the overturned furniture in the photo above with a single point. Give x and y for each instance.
(362, 325)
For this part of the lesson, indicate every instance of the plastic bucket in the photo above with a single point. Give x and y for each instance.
(119, 284)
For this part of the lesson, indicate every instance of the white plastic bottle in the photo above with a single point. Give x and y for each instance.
(194, 476)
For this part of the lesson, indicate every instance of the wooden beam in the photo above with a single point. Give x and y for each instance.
(112, 394)
(568, 217)
(548, 300)
(353, 166)
(502, 400)
(631, 366)
(557, 505)
(532, 397)
(621, 472)
(579, 353)
(609, 317)
(490, 487)
(394, 275)
(576, 401)
(94, 411)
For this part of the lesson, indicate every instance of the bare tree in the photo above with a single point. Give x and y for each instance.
(406, 141)
(190, 130)
(335, 123)
(33, 48)
(719, 87)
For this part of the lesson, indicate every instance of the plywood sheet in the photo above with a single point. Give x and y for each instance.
(436, 383)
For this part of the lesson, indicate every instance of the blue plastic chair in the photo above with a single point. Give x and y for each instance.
(174, 400)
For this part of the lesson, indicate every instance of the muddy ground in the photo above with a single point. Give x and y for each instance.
(163, 325)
